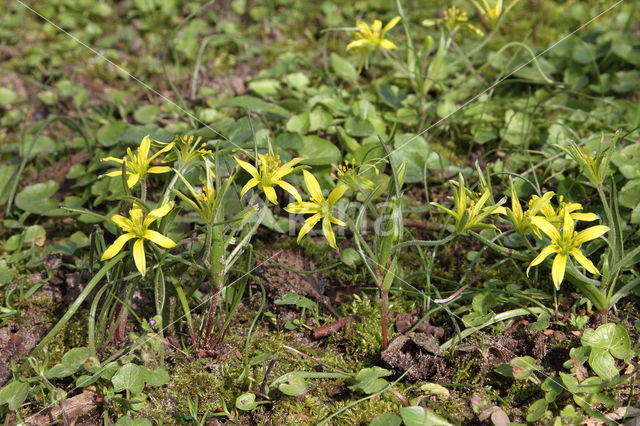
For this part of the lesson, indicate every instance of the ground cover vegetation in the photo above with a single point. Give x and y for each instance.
(291, 212)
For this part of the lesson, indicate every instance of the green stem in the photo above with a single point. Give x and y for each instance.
(428, 243)
(143, 190)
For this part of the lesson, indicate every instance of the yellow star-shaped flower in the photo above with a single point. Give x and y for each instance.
(565, 244)
(370, 38)
(138, 227)
(137, 166)
(269, 174)
(321, 209)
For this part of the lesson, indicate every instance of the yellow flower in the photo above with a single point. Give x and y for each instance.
(454, 19)
(352, 175)
(492, 14)
(565, 244)
(270, 173)
(370, 38)
(321, 209)
(138, 165)
(522, 220)
(470, 214)
(138, 227)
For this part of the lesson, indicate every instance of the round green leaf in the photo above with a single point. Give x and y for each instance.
(609, 337)
(14, 394)
(246, 402)
(420, 416)
(147, 114)
(386, 419)
(295, 385)
(536, 410)
(35, 198)
(603, 364)
(109, 135)
(129, 377)
(318, 151)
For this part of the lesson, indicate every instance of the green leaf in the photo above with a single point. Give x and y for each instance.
(552, 386)
(156, 377)
(14, 394)
(343, 67)
(297, 80)
(523, 367)
(247, 102)
(246, 402)
(293, 385)
(35, 198)
(318, 151)
(147, 114)
(484, 302)
(542, 323)
(129, 377)
(413, 149)
(536, 410)
(7, 96)
(517, 127)
(292, 298)
(420, 416)
(265, 87)
(391, 95)
(386, 419)
(369, 380)
(299, 123)
(109, 135)
(319, 119)
(630, 194)
(358, 127)
(75, 356)
(609, 337)
(628, 161)
(349, 257)
(603, 364)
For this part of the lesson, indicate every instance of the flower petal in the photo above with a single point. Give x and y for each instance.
(588, 265)
(550, 249)
(157, 213)
(158, 169)
(336, 194)
(357, 43)
(138, 256)
(270, 193)
(392, 23)
(122, 222)
(143, 149)
(567, 226)
(158, 238)
(302, 207)
(546, 227)
(132, 179)
(308, 225)
(165, 149)
(117, 160)
(327, 230)
(558, 268)
(249, 168)
(589, 234)
(313, 187)
(584, 217)
(250, 184)
(117, 245)
(289, 188)
(114, 173)
(388, 44)
(336, 221)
